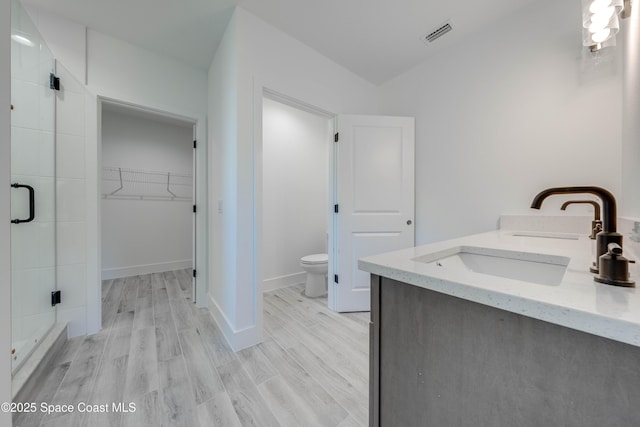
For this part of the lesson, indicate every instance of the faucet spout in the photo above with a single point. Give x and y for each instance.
(596, 207)
(609, 221)
(609, 211)
(596, 224)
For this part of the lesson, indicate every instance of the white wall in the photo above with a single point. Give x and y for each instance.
(505, 114)
(253, 56)
(631, 114)
(223, 128)
(122, 71)
(66, 38)
(5, 214)
(295, 183)
(135, 142)
(152, 235)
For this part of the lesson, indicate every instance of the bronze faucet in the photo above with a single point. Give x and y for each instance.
(596, 224)
(605, 238)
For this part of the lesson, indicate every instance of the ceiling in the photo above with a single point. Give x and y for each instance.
(376, 39)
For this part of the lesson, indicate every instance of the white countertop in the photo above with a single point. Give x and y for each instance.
(577, 302)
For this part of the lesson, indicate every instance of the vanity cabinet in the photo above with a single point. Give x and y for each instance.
(442, 361)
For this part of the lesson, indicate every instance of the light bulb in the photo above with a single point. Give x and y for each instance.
(602, 17)
(598, 5)
(601, 36)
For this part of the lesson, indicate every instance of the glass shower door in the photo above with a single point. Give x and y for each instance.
(33, 239)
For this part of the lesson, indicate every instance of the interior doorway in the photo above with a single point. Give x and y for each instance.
(295, 187)
(369, 205)
(148, 193)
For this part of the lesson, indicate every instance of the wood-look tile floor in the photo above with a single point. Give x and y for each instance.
(169, 358)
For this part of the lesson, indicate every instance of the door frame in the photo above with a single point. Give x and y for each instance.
(199, 283)
(261, 92)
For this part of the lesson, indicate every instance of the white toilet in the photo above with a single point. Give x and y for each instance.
(316, 266)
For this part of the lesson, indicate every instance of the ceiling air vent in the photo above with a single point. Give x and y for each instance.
(437, 33)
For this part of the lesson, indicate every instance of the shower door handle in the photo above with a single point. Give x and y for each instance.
(32, 203)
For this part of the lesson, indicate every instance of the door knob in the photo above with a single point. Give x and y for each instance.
(408, 222)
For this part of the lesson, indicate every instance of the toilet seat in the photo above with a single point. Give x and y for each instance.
(315, 259)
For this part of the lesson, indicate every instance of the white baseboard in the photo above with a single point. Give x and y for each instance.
(237, 339)
(283, 281)
(136, 270)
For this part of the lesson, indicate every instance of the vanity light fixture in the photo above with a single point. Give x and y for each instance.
(601, 22)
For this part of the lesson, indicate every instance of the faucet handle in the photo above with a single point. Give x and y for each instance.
(614, 249)
(614, 268)
(596, 227)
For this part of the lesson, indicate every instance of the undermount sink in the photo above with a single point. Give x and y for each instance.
(524, 266)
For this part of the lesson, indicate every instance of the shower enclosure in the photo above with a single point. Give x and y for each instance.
(33, 213)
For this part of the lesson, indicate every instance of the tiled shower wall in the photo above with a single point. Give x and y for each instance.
(71, 247)
(43, 133)
(32, 128)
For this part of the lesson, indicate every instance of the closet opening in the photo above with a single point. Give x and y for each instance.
(148, 206)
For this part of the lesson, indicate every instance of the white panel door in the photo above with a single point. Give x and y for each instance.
(375, 196)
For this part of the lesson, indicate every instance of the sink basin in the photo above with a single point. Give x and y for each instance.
(525, 266)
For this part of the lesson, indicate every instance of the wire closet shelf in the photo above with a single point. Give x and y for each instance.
(137, 184)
